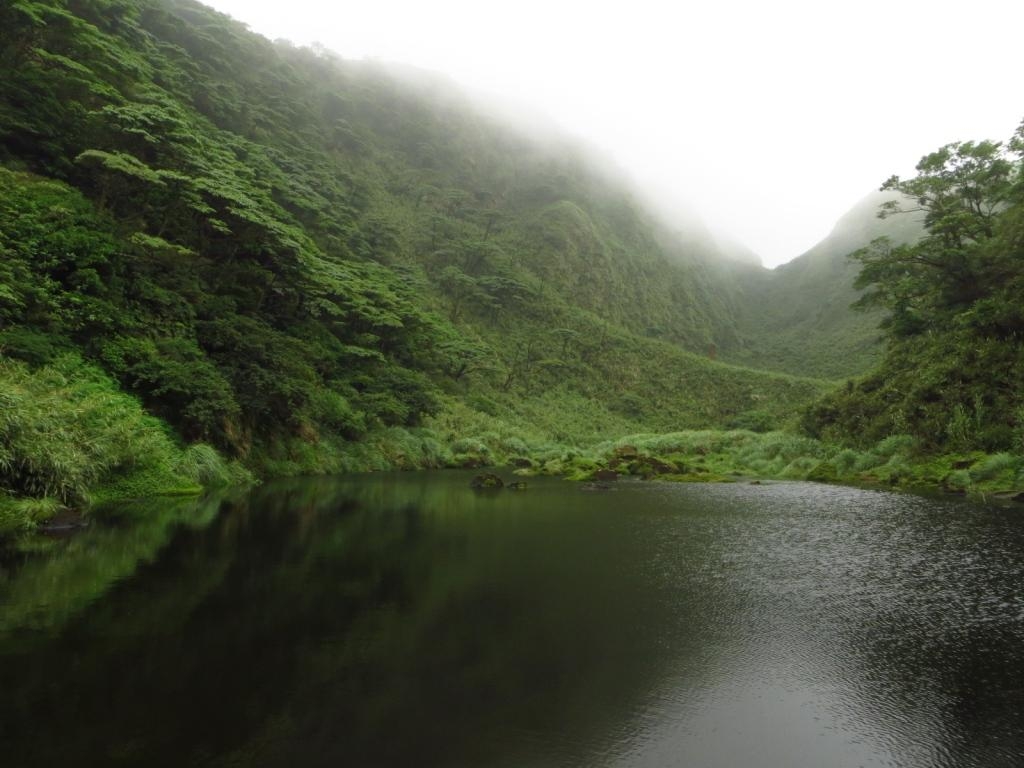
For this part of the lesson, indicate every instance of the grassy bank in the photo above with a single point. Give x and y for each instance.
(724, 456)
(687, 456)
(69, 438)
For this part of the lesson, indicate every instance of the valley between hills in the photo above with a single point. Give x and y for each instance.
(224, 259)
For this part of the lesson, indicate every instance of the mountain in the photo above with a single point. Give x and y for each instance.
(797, 318)
(314, 264)
(954, 326)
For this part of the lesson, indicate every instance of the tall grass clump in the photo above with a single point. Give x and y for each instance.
(20, 515)
(895, 445)
(69, 436)
(846, 461)
(202, 464)
(65, 427)
(997, 464)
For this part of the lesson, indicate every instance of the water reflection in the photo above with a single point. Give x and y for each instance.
(406, 620)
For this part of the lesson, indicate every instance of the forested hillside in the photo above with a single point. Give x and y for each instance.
(223, 255)
(954, 319)
(297, 260)
(797, 318)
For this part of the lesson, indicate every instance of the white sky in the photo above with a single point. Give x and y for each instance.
(769, 118)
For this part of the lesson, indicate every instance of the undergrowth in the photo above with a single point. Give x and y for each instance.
(70, 438)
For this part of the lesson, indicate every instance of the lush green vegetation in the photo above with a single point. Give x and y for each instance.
(217, 252)
(713, 456)
(954, 321)
(301, 261)
(69, 436)
(797, 318)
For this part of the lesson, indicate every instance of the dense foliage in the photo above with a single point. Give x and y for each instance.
(797, 318)
(954, 318)
(239, 252)
(285, 255)
(66, 431)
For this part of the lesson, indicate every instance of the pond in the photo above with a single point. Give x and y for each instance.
(407, 620)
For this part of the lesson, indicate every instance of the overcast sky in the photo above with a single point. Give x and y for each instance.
(769, 118)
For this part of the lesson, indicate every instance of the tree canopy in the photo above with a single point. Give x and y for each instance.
(955, 320)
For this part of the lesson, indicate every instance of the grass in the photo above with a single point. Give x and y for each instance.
(70, 438)
(727, 455)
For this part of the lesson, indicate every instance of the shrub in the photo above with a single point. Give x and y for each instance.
(68, 436)
(201, 464)
(64, 428)
(799, 468)
(895, 444)
(959, 429)
(846, 461)
(958, 480)
(754, 421)
(994, 465)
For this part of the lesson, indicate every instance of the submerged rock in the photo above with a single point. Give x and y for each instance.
(64, 523)
(486, 480)
(596, 486)
(518, 485)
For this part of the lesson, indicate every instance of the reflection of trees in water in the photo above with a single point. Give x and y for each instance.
(42, 593)
(373, 622)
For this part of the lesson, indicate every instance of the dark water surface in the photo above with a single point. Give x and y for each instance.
(404, 620)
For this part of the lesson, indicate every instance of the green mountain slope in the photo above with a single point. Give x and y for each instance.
(303, 261)
(950, 377)
(798, 317)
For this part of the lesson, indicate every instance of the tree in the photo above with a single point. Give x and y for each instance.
(962, 189)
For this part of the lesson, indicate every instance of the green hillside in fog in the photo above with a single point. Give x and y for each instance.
(303, 262)
(222, 255)
(798, 318)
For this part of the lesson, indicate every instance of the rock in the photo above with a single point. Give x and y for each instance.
(606, 475)
(518, 485)
(755, 482)
(64, 523)
(522, 463)
(596, 487)
(650, 466)
(486, 480)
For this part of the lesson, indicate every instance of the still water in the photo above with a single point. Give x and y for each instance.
(406, 620)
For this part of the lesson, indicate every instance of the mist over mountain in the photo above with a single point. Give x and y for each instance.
(279, 251)
(798, 317)
(309, 264)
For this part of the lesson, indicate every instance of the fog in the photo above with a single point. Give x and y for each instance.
(769, 119)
